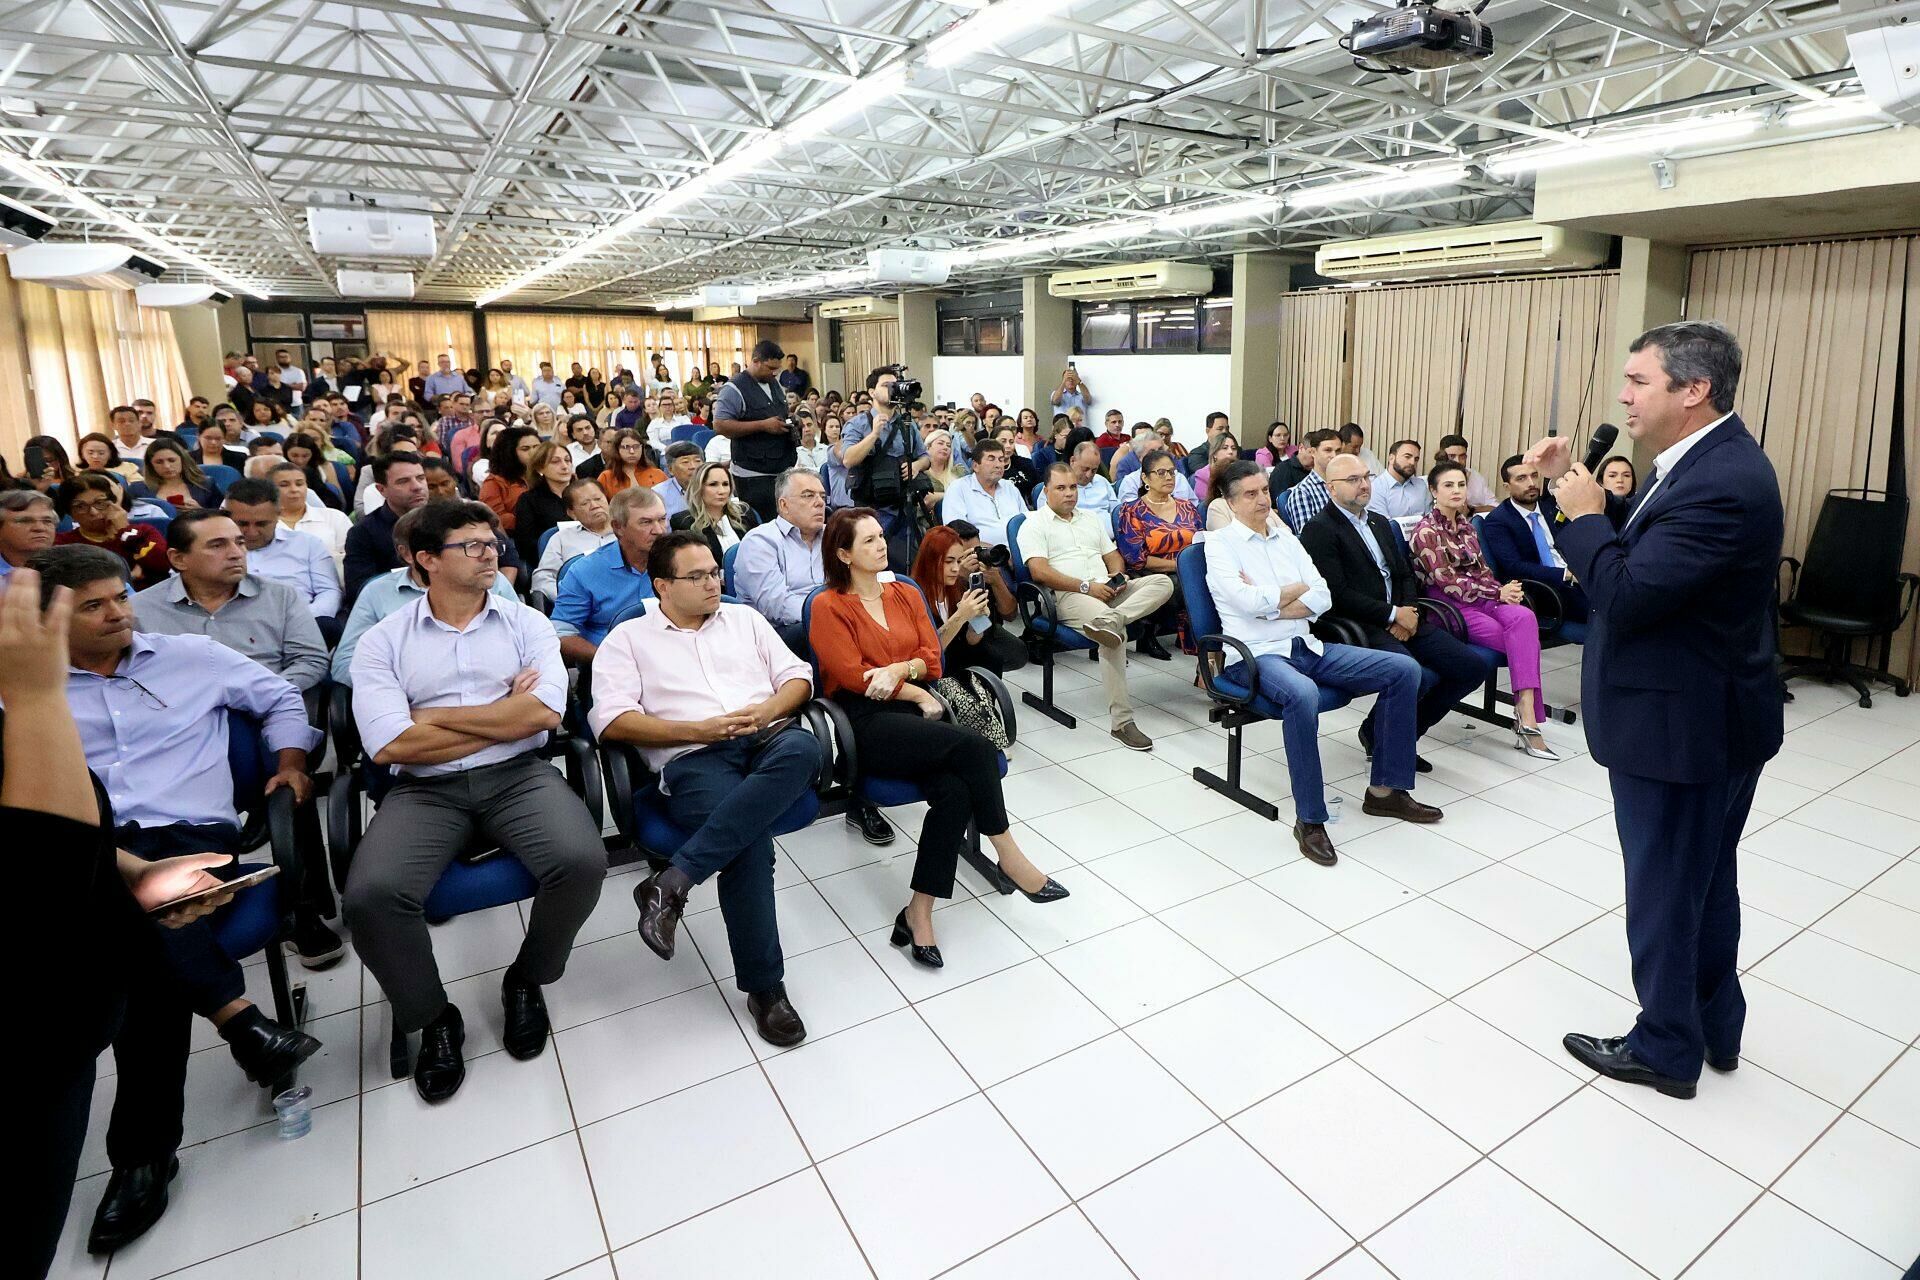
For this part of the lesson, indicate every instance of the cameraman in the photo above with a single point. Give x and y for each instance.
(887, 464)
(750, 410)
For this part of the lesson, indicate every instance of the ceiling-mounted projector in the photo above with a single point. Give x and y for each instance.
(373, 284)
(909, 266)
(22, 224)
(1419, 37)
(369, 231)
(728, 295)
(1886, 57)
(82, 266)
(168, 297)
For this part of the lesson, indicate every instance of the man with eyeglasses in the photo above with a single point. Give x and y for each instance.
(708, 692)
(153, 713)
(457, 691)
(27, 526)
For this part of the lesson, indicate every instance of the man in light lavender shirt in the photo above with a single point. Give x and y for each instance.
(778, 564)
(707, 691)
(457, 691)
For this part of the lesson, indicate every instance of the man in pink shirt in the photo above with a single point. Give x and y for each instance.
(707, 691)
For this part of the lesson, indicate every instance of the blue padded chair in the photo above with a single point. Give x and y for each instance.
(547, 537)
(726, 568)
(685, 431)
(483, 876)
(1047, 633)
(872, 784)
(701, 436)
(1232, 680)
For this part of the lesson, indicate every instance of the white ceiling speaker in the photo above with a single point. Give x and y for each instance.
(1886, 57)
(909, 266)
(22, 224)
(169, 297)
(373, 284)
(83, 266)
(367, 231)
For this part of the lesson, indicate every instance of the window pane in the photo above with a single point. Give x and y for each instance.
(956, 336)
(993, 335)
(1216, 320)
(1105, 326)
(1164, 326)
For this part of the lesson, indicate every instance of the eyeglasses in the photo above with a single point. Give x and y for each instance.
(705, 575)
(146, 694)
(89, 508)
(477, 549)
(1350, 480)
(1159, 473)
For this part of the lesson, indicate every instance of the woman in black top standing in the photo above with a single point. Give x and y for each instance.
(86, 896)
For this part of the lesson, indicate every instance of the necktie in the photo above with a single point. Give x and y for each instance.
(1540, 540)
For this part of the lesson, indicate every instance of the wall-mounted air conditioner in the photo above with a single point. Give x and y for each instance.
(373, 284)
(868, 308)
(1165, 279)
(82, 266)
(22, 224)
(779, 311)
(368, 231)
(1462, 251)
(170, 297)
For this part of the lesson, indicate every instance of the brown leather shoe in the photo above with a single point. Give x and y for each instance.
(1398, 804)
(661, 898)
(1314, 844)
(774, 1017)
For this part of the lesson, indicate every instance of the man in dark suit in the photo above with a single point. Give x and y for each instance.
(1520, 536)
(1679, 693)
(1371, 579)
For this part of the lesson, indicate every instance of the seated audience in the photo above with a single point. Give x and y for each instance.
(279, 554)
(968, 635)
(1617, 476)
(1519, 533)
(210, 449)
(129, 442)
(153, 716)
(390, 591)
(589, 527)
(306, 452)
(591, 466)
(544, 505)
(1071, 552)
(1373, 585)
(875, 648)
(778, 564)
(169, 474)
(683, 460)
(1447, 554)
(709, 692)
(1097, 495)
(92, 499)
(632, 464)
(713, 512)
(1278, 448)
(27, 526)
(457, 691)
(986, 498)
(1353, 442)
(1154, 529)
(402, 481)
(1147, 441)
(605, 585)
(98, 455)
(1479, 492)
(316, 520)
(1019, 473)
(1400, 490)
(1290, 471)
(1309, 498)
(1222, 450)
(1268, 593)
(507, 475)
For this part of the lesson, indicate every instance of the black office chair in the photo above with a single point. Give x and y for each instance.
(1851, 587)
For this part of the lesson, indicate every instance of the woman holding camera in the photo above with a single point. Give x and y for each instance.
(949, 575)
(875, 648)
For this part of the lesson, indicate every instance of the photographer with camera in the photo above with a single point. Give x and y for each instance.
(887, 461)
(750, 410)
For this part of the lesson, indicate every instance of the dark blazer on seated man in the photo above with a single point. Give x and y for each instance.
(1365, 593)
(1510, 540)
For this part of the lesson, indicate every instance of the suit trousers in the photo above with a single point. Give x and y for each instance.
(1683, 915)
(1140, 598)
(56, 1133)
(1449, 671)
(729, 794)
(522, 805)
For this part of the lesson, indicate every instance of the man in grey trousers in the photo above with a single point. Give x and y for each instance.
(457, 691)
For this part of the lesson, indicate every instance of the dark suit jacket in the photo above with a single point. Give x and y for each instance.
(1341, 555)
(1678, 684)
(1511, 544)
(1286, 473)
(683, 520)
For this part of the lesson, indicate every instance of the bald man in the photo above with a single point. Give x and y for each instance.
(1371, 578)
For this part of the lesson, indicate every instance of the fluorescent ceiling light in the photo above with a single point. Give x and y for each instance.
(1835, 111)
(1231, 211)
(1366, 188)
(1637, 142)
(988, 27)
(27, 171)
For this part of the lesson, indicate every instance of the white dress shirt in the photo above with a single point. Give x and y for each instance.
(569, 539)
(303, 562)
(329, 526)
(967, 499)
(1250, 605)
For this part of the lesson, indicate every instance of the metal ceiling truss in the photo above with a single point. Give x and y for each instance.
(529, 126)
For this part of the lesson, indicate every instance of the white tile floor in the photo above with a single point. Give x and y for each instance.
(1214, 1059)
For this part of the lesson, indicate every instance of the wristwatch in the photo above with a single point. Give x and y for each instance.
(1086, 588)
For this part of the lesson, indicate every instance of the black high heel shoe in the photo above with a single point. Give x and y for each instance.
(903, 937)
(1051, 891)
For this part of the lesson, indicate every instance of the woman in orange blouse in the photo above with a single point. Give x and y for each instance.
(507, 472)
(632, 464)
(872, 641)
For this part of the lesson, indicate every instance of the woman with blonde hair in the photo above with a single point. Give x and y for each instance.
(712, 510)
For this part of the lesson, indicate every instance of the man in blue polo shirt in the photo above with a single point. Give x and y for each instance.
(598, 589)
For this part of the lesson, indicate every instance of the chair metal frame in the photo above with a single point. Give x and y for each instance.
(1046, 634)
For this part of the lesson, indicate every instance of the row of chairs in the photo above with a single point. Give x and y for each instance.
(687, 431)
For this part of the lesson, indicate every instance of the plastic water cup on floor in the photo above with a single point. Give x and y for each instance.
(295, 1110)
(1334, 801)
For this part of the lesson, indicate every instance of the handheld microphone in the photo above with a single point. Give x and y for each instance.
(1599, 444)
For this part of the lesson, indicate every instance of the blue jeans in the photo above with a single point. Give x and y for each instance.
(1289, 691)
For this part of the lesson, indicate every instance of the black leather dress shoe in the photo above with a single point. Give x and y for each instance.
(1420, 763)
(527, 1025)
(1730, 1062)
(317, 946)
(265, 1050)
(439, 1068)
(1150, 647)
(870, 823)
(774, 1017)
(661, 898)
(1610, 1056)
(135, 1199)
(1314, 843)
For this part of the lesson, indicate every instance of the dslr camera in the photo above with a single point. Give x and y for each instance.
(906, 391)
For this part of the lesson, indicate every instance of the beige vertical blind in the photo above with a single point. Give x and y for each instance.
(413, 336)
(86, 351)
(610, 342)
(867, 345)
(1316, 330)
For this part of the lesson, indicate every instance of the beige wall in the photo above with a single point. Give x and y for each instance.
(198, 330)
